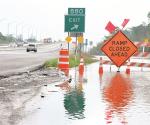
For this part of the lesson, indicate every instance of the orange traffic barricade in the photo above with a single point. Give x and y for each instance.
(63, 62)
(100, 66)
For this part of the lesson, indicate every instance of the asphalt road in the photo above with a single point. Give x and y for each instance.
(14, 60)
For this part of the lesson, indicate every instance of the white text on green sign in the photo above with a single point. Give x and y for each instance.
(76, 11)
(74, 23)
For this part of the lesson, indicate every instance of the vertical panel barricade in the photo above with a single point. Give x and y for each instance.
(142, 54)
(63, 62)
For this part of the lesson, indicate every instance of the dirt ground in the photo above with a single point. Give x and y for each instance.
(16, 91)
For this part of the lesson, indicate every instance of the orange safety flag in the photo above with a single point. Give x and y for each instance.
(124, 23)
(110, 27)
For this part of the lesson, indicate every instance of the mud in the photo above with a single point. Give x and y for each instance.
(17, 90)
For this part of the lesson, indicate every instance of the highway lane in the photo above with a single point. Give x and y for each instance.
(13, 60)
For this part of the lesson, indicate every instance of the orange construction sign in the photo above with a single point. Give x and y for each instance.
(119, 48)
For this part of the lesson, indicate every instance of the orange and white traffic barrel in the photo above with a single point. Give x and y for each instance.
(100, 66)
(81, 66)
(63, 62)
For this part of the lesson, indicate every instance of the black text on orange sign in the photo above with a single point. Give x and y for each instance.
(119, 48)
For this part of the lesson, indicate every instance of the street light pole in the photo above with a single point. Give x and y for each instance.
(17, 25)
(8, 27)
(23, 31)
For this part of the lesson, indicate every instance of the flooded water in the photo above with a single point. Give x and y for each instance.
(111, 98)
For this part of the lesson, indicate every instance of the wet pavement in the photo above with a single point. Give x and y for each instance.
(111, 98)
(14, 60)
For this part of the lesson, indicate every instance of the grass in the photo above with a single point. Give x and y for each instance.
(88, 59)
(51, 63)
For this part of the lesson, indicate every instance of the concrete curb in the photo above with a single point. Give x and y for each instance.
(22, 71)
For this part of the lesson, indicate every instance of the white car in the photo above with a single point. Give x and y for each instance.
(31, 47)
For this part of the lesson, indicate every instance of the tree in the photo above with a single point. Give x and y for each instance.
(31, 39)
(2, 37)
(148, 16)
(96, 50)
(10, 38)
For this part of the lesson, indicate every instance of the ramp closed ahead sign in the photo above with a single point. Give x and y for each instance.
(119, 48)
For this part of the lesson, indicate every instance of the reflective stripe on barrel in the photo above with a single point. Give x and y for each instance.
(63, 52)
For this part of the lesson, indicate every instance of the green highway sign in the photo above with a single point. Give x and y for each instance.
(74, 23)
(76, 11)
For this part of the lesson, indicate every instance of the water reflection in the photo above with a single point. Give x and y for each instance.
(100, 78)
(74, 102)
(118, 94)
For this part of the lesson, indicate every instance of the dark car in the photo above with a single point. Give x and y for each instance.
(31, 47)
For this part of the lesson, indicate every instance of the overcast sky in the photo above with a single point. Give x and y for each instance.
(46, 17)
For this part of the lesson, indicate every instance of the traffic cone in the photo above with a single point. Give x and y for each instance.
(128, 67)
(81, 66)
(80, 78)
(100, 66)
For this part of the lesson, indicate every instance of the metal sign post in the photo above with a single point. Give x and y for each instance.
(75, 25)
(80, 41)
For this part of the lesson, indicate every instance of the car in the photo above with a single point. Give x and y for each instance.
(31, 47)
